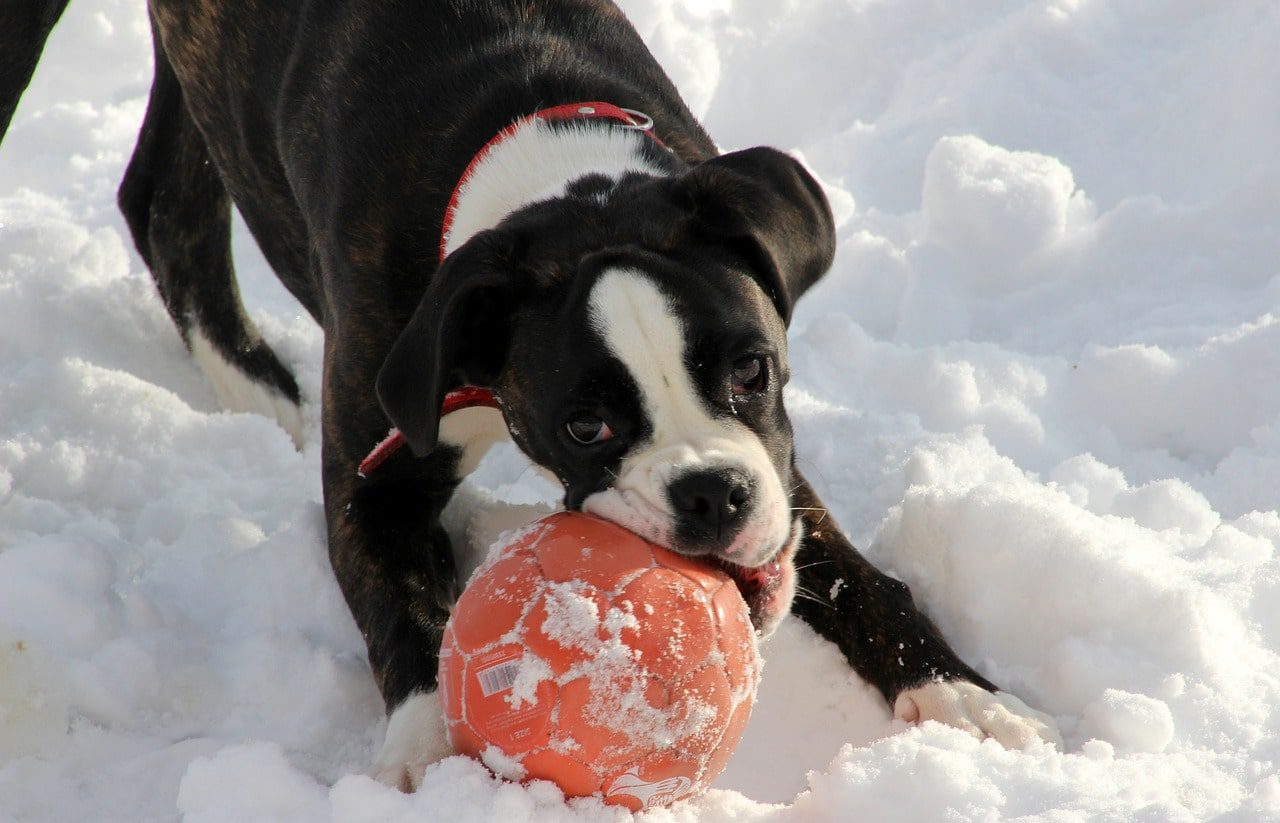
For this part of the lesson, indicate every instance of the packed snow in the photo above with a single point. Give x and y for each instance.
(1040, 384)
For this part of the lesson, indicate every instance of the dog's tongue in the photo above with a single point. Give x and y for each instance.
(761, 576)
(758, 578)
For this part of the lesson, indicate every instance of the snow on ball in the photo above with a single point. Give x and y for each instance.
(581, 654)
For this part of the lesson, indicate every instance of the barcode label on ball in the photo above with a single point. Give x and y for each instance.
(498, 678)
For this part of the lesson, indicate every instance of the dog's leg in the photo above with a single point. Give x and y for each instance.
(24, 26)
(179, 214)
(395, 566)
(892, 645)
(392, 558)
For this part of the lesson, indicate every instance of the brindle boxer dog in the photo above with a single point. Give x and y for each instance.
(621, 288)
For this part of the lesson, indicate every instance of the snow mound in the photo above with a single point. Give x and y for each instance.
(993, 209)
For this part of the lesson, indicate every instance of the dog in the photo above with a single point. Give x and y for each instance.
(507, 201)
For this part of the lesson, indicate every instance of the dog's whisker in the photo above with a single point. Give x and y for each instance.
(808, 595)
(526, 470)
(814, 563)
(806, 590)
(825, 512)
(814, 466)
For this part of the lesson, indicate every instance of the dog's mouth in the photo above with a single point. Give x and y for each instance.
(753, 583)
(767, 588)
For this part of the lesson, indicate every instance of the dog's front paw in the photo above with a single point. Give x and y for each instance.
(975, 710)
(415, 739)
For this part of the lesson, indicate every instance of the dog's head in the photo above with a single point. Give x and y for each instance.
(635, 331)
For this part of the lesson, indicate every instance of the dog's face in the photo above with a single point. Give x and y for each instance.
(635, 332)
(655, 396)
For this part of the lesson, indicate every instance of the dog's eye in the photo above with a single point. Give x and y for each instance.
(749, 375)
(588, 429)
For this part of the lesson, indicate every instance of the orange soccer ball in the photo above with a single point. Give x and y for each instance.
(584, 655)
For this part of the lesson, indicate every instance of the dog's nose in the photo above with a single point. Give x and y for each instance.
(711, 503)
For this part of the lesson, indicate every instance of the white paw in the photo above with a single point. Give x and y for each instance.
(977, 711)
(415, 739)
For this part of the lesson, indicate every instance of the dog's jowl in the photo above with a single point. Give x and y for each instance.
(510, 199)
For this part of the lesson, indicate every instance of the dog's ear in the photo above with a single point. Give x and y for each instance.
(766, 205)
(457, 336)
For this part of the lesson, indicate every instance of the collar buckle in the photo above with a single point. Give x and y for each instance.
(639, 120)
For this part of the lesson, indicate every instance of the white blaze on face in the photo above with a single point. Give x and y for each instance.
(640, 327)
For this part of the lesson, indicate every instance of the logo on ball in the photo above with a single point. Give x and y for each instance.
(651, 794)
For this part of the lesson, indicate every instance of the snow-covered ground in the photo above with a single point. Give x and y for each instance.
(1042, 384)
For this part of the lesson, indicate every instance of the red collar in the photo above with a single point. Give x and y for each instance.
(469, 397)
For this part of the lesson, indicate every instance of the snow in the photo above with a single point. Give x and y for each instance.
(502, 764)
(1134, 721)
(573, 617)
(1039, 385)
